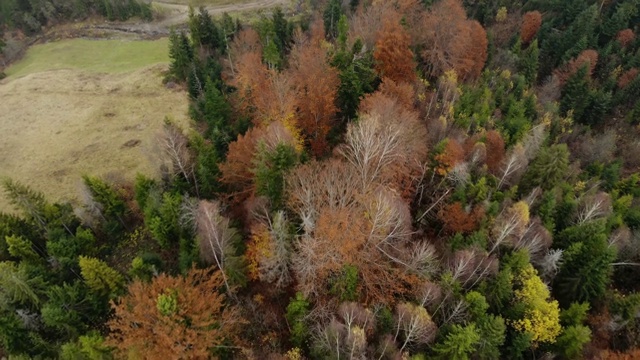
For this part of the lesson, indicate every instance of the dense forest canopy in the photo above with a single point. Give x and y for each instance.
(369, 179)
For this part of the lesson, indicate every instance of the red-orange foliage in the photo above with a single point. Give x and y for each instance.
(588, 56)
(456, 220)
(266, 95)
(495, 151)
(531, 22)
(236, 170)
(614, 355)
(404, 93)
(194, 317)
(477, 50)
(452, 42)
(348, 236)
(452, 155)
(625, 37)
(316, 85)
(394, 58)
(627, 77)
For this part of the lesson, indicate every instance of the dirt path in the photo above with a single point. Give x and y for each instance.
(176, 15)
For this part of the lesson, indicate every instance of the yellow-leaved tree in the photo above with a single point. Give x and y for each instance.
(541, 315)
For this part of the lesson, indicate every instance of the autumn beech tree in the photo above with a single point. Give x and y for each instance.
(587, 57)
(456, 219)
(451, 42)
(386, 145)
(316, 85)
(531, 22)
(176, 317)
(394, 58)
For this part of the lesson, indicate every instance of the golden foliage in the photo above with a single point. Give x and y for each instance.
(542, 316)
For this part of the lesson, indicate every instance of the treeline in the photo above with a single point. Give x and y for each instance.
(31, 15)
(398, 179)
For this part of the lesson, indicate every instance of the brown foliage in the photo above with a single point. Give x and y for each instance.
(495, 151)
(394, 58)
(200, 319)
(627, 77)
(531, 22)
(371, 234)
(456, 220)
(477, 50)
(403, 93)
(589, 57)
(625, 37)
(265, 95)
(316, 85)
(452, 42)
(452, 155)
(631, 354)
(236, 170)
(387, 145)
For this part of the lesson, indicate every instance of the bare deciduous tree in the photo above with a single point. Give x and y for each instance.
(413, 325)
(215, 236)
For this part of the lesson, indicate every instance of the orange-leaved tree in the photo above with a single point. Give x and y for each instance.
(394, 58)
(173, 317)
(315, 83)
(531, 22)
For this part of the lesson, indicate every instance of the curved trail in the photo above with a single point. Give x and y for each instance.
(177, 14)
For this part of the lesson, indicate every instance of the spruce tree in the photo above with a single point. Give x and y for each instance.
(331, 16)
(574, 93)
(528, 65)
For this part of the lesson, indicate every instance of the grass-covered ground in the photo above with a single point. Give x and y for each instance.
(97, 56)
(68, 108)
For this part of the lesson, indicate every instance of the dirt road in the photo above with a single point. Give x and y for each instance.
(175, 14)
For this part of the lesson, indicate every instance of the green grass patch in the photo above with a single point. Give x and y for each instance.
(97, 56)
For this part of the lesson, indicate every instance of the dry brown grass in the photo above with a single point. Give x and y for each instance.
(57, 125)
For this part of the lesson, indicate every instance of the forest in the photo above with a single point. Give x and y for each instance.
(405, 179)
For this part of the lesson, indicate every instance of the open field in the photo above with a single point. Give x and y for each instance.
(97, 56)
(68, 108)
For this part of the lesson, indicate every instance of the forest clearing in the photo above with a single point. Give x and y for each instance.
(69, 108)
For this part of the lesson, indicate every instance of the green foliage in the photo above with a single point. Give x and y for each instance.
(99, 277)
(297, 311)
(586, 267)
(572, 340)
(167, 303)
(17, 287)
(356, 73)
(345, 285)
(459, 343)
(547, 169)
(145, 267)
(492, 336)
(20, 248)
(88, 347)
(162, 217)
(270, 166)
(332, 14)
(181, 54)
(576, 314)
(573, 93)
(528, 64)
